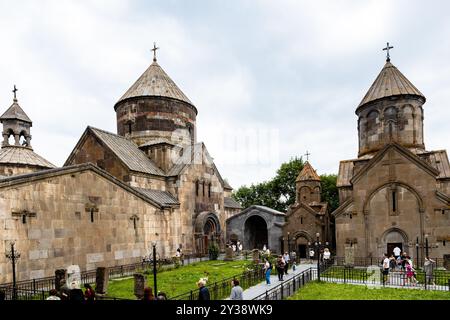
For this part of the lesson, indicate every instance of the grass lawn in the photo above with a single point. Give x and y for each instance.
(330, 291)
(178, 281)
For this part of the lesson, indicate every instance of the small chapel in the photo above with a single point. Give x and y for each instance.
(118, 194)
(395, 193)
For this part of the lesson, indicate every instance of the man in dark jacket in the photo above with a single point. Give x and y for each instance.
(203, 293)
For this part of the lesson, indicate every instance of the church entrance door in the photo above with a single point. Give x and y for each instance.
(302, 251)
(255, 233)
(392, 245)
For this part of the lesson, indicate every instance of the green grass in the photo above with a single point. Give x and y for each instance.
(181, 280)
(329, 291)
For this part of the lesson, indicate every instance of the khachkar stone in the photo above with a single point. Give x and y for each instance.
(349, 256)
(139, 285)
(255, 256)
(60, 274)
(101, 280)
(228, 254)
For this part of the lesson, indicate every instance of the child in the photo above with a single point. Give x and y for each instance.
(293, 265)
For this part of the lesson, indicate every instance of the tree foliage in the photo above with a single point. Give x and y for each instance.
(279, 192)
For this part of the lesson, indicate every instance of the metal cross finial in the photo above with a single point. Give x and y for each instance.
(154, 51)
(15, 90)
(388, 57)
(307, 154)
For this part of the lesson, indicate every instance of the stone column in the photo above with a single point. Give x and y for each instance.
(101, 280)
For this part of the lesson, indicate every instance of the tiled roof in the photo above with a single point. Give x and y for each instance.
(390, 82)
(164, 198)
(155, 82)
(231, 203)
(23, 155)
(438, 160)
(15, 112)
(308, 173)
(128, 152)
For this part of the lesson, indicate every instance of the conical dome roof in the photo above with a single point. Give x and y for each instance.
(308, 173)
(155, 82)
(390, 82)
(15, 112)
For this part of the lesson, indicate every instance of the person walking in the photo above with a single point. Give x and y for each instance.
(286, 262)
(410, 272)
(280, 267)
(397, 251)
(386, 268)
(89, 293)
(267, 270)
(311, 255)
(326, 256)
(428, 267)
(236, 290)
(203, 293)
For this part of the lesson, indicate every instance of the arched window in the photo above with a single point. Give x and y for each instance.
(372, 122)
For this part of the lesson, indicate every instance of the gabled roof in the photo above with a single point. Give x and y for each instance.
(23, 156)
(126, 150)
(308, 173)
(390, 82)
(403, 151)
(15, 112)
(155, 82)
(260, 208)
(28, 178)
(157, 141)
(231, 203)
(164, 198)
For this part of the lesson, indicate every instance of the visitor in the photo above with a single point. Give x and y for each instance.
(286, 262)
(53, 295)
(280, 267)
(392, 263)
(294, 256)
(264, 248)
(89, 293)
(326, 256)
(294, 265)
(76, 294)
(267, 270)
(236, 290)
(64, 291)
(234, 247)
(268, 252)
(428, 267)
(385, 268)
(161, 296)
(410, 272)
(397, 251)
(148, 294)
(240, 247)
(203, 293)
(399, 263)
(311, 255)
(403, 258)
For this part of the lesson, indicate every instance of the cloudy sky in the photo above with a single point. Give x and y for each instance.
(270, 79)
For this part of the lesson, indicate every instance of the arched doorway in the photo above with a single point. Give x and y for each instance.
(393, 238)
(255, 232)
(207, 230)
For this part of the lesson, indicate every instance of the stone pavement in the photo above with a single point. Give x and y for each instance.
(261, 288)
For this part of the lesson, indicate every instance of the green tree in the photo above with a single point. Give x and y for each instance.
(279, 193)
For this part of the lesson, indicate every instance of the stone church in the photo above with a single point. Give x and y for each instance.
(396, 192)
(116, 194)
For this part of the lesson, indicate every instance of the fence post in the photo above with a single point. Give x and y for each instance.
(345, 279)
(191, 297)
(34, 286)
(281, 291)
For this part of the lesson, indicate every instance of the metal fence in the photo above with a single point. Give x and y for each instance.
(289, 287)
(221, 289)
(397, 278)
(370, 261)
(35, 287)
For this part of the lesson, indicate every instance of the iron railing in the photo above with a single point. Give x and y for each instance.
(370, 261)
(289, 287)
(221, 289)
(36, 286)
(397, 278)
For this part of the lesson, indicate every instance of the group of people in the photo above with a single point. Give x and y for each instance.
(73, 294)
(325, 256)
(237, 247)
(148, 295)
(282, 266)
(237, 293)
(402, 262)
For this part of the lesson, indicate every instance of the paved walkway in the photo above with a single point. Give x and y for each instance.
(261, 288)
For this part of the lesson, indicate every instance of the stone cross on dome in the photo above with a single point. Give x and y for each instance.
(388, 57)
(154, 51)
(15, 90)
